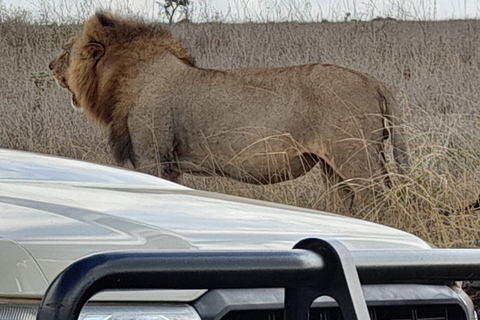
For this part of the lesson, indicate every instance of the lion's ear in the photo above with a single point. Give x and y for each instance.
(94, 50)
(105, 20)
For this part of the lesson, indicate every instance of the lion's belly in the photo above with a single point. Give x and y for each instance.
(250, 154)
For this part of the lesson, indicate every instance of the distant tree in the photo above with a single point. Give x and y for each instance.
(171, 7)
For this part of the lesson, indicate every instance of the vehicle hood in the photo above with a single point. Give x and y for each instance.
(59, 214)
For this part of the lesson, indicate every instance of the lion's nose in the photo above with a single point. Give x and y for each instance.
(50, 65)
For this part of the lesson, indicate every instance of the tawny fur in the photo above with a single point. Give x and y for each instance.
(256, 125)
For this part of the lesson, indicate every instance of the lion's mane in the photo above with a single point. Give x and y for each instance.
(98, 65)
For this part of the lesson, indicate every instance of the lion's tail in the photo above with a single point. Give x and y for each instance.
(393, 128)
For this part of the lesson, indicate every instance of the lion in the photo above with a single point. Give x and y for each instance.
(167, 116)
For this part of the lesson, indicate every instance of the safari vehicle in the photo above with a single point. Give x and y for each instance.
(98, 242)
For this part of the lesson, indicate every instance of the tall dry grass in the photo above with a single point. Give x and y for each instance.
(432, 67)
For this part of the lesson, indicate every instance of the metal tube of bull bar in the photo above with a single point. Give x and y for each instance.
(302, 270)
(316, 267)
(417, 266)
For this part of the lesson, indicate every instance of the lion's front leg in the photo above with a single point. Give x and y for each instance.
(170, 172)
(153, 141)
(151, 158)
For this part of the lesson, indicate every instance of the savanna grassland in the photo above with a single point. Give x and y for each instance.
(433, 68)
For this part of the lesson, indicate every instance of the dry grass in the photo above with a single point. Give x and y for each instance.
(433, 68)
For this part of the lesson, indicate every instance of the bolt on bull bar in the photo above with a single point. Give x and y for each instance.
(312, 269)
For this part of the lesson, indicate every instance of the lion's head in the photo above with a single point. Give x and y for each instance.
(59, 67)
(98, 64)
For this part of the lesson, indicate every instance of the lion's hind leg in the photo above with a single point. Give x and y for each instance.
(361, 164)
(302, 164)
(340, 191)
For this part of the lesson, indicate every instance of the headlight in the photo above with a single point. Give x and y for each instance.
(18, 311)
(139, 312)
(97, 311)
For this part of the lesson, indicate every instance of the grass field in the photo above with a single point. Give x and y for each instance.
(432, 67)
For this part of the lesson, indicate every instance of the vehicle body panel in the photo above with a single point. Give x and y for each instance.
(55, 211)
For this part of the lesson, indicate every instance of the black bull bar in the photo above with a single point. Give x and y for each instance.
(313, 268)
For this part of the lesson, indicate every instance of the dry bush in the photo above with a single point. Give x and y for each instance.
(34, 112)
(432, 67)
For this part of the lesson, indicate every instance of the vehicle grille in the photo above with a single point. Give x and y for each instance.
(417, 312)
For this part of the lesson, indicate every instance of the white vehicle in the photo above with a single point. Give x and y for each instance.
(55, 211)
